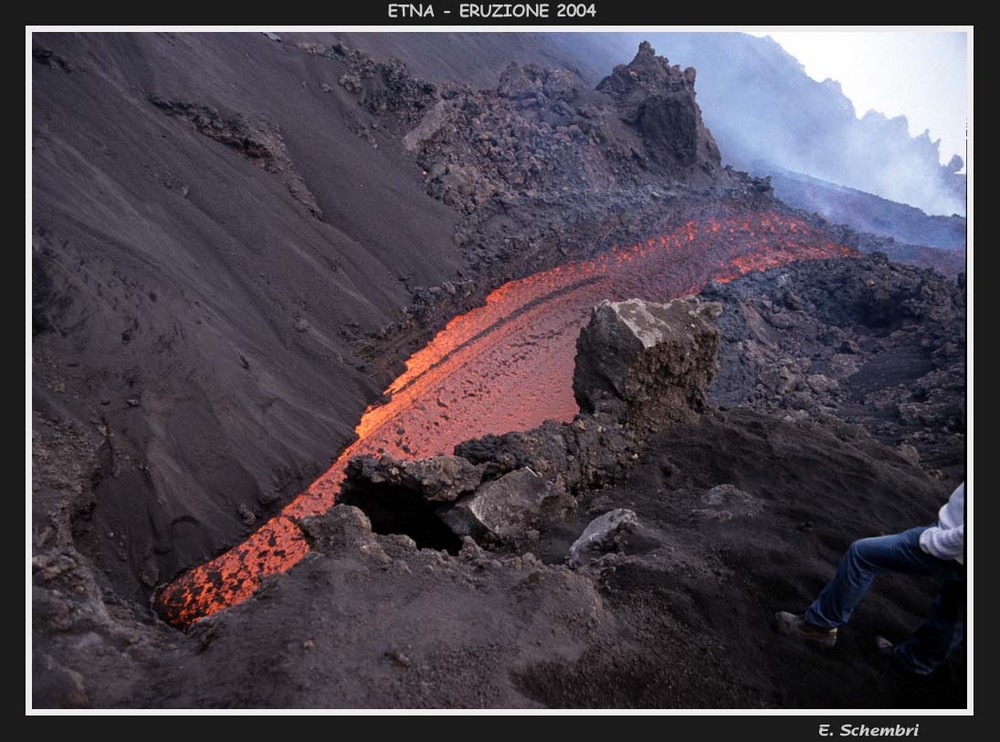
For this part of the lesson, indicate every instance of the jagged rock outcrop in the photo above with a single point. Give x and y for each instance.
(659, 101)
(590, 451)
(440, 500)
(539, 130)
(647, 364)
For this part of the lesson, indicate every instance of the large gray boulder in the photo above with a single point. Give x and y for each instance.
(647, 364)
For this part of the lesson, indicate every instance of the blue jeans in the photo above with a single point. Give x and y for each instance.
(929, 646)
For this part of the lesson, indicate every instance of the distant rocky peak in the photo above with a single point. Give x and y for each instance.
(646, 74)
(658, 101)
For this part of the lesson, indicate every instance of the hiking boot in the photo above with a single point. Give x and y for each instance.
(791, 624)
(884, 647)
(887, 649)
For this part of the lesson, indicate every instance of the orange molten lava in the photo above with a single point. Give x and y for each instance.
(507, 365)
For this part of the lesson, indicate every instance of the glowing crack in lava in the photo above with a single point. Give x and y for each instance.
(507, 365)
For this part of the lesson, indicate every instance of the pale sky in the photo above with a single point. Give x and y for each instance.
(925, 75)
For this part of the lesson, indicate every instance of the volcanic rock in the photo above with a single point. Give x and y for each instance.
(407, 497)
(437, 479)
(539, 132)
(509, 506)
(343, 528)
(724, 502)
(647, 364)
(872, 342)
(590, 451)
(601, 535)
(659, 101)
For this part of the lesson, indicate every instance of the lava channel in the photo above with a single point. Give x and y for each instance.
(504, 366)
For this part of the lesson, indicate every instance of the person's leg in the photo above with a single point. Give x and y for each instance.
(864, 559)
(942, 631)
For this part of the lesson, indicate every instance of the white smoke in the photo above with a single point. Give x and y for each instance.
(760, 105)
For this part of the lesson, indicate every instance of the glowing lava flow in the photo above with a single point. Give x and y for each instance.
(507, 365)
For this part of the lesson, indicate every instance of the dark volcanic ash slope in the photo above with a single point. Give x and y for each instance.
(206, 248)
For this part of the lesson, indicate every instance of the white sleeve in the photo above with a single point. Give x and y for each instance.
(944, 543)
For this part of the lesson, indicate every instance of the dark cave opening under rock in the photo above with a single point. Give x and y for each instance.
(398, 510)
